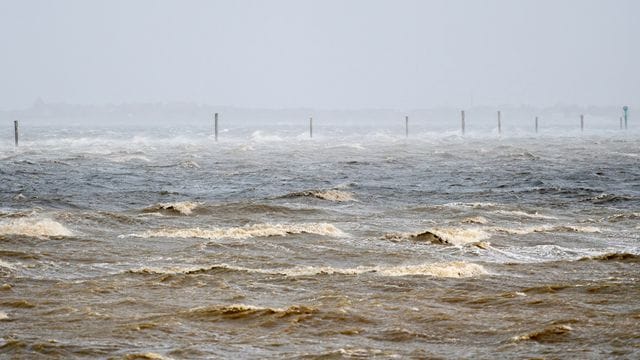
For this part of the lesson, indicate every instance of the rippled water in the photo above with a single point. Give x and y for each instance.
(274, 245)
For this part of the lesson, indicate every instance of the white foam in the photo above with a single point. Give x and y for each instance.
(475, 220)
(34, 227)
(473, 205)
(547, 228)
(182, 207)
(244, 232)
(457, 236)
(523, 214)
(456, 269)
(332, 195)
(450, 270)
(3, 316)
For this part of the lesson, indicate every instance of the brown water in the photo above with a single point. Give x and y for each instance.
(358, 247)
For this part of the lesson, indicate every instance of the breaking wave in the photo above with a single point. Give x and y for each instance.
(475, 220)
(474, 205)
(33, 227)
(548, 228)
(523, 214)
(181, 207)
(549, 334)
(608, 198)
(443, 236)
(456, 269)
(329, 195)
(241, 311)
(244, 232)
(614, 257)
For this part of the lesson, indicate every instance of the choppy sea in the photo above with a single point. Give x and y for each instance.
(139, 244)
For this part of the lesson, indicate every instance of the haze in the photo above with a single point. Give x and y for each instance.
(322, 54)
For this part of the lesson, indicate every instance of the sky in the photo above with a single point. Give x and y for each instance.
(328, 54)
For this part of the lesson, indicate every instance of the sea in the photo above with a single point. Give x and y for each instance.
(163, 243)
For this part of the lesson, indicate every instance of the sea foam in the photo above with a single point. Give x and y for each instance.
(455, 269)
(328, 195)
(244, 232)
(444, 236)
(181, 207)
(33, 227)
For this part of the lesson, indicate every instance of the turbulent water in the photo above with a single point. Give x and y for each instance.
(121, 245)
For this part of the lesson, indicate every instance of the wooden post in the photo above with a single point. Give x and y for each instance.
(499, 124)
(406, 126)
(626, 110)
(536, 124)
(215, 125)
(581, 123)
(15, 128)
(462, 122)
(311, 127)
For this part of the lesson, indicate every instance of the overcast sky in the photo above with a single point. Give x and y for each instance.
(321, 53)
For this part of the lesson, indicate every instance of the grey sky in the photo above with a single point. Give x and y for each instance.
(323, 54)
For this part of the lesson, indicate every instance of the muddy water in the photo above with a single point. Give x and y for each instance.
(277, 247)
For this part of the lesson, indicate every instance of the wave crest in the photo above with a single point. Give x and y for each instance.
(34, 227)
(443, 236)
(242, 311)
(329, 195)
(456, 269)
(548, 334)
(548, 228)
(180, 207)
(244, 232)
(614, 257)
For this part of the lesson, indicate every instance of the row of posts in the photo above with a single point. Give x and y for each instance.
(462, 115)
(462, 122)
(406, 124)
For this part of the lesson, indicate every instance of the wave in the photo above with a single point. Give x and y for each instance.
(456, 269)
(34, 228)
(6, 265)
(549, 334)
(329, 195)
(624, 216)
(255, 208)
(189, 164)
(475, 220)
(244, 232)
(443, 236)
(613, 257)
(242, 311)
(523, 214)
(472, 205)
(547, 228)
(145, 356)
(181, 207)
(608, 198)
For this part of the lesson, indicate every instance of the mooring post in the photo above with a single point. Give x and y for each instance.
(462, 122)
(499, 124)
(15, 128)
(626, 110)
(620, 122)
(311, 127)
(215, 125)
(581, 122)
(536, 124)
(406, 126)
